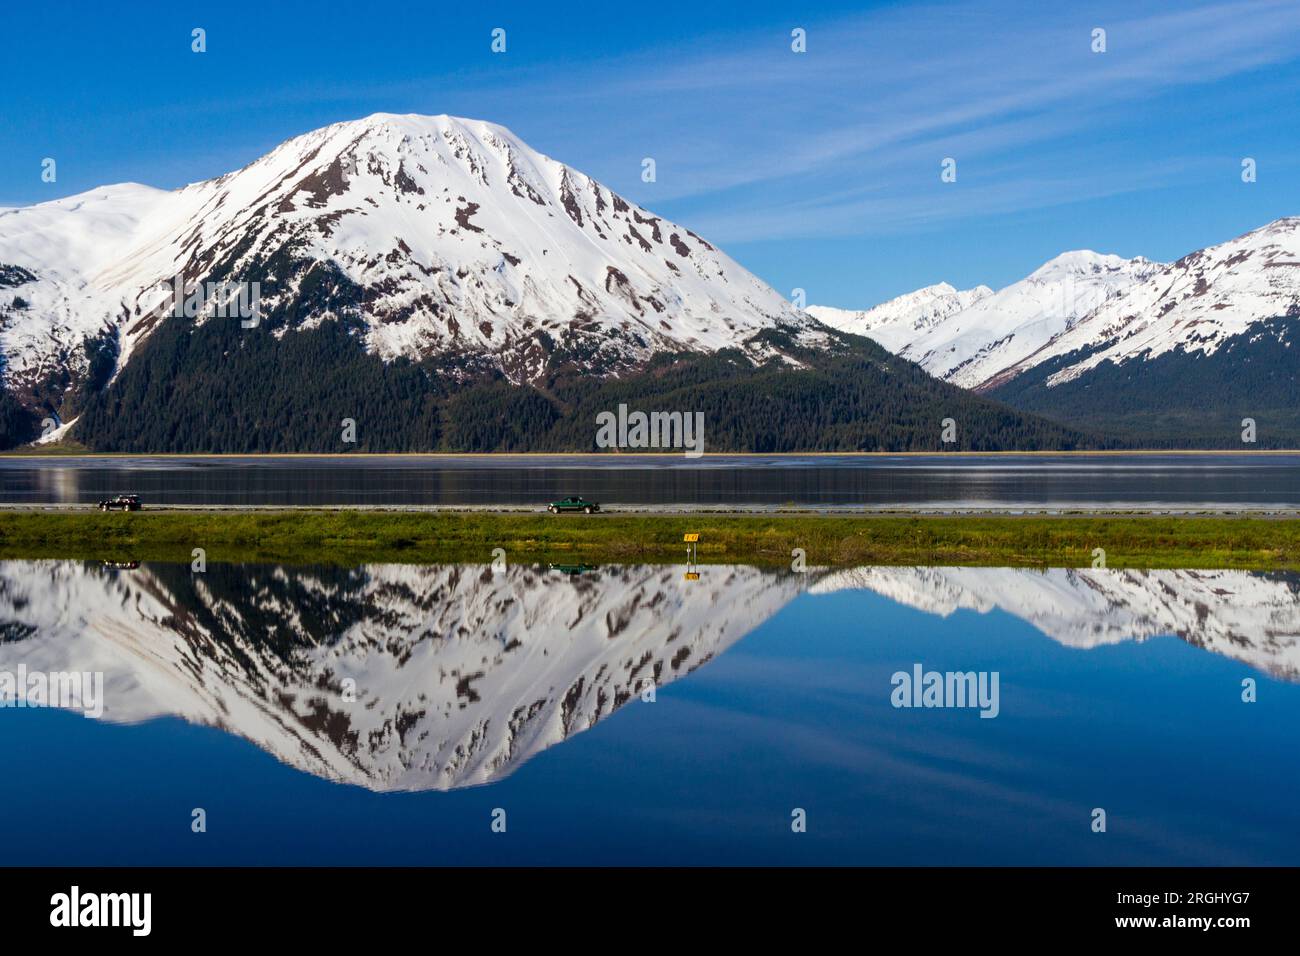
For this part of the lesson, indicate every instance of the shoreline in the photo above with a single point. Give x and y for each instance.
(1099, 453)
(616, 510)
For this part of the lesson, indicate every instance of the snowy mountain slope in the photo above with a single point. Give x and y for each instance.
(1003, 329)
(441, 236)
(969, 338)
(53, 258)
(1192, 306)
(897, 323)
(1252, 618)
(460, 675)
(1083, 309)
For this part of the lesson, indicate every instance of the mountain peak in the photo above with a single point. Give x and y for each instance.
(1283, 226)
(413, 126)
(969, 337)
(433, 235)
(1082, 262)
(1194, 305)
(900, 320)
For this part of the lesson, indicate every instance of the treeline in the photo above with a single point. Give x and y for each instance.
(220, 388)
(1181, 400)
(18, 425)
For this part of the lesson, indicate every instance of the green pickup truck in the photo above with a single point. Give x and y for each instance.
(573, 503)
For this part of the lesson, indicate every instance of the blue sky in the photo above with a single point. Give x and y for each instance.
(817, 170)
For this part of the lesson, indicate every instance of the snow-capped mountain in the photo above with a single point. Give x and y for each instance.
(1083, 309)
(456, 675)
(1203, 353)
(970, 338)
(448, 288)
(1252, 618)
(897, 323)
(438, 235)
(1003, 329)
(1192, 306)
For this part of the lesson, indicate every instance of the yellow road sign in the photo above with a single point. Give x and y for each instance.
(692, 575)
(689, 538)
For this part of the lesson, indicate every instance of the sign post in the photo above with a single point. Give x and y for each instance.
(692, 553)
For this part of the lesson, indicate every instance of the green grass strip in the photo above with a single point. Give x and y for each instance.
(356, 537)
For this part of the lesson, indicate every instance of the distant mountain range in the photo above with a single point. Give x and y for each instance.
(443, 286)
(973, 337)
(395, 677)
(1158, 354)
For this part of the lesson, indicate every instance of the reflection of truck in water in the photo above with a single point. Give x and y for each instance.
(572, 569)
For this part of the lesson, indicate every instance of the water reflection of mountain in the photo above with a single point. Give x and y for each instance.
(1252, 617)
(462, 675)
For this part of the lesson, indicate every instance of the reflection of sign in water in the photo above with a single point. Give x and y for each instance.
(692, 575)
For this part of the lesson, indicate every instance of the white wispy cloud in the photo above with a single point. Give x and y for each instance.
(753, 141)
(762, 143)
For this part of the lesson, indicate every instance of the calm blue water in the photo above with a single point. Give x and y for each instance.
(795, 713)
(1190, 481)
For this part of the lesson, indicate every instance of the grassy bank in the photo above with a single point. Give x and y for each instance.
(353, 537)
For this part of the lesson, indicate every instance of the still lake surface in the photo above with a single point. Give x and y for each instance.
(1255, 480)
(385, 713)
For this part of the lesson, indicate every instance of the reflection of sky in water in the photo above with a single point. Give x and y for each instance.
(796, 714)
